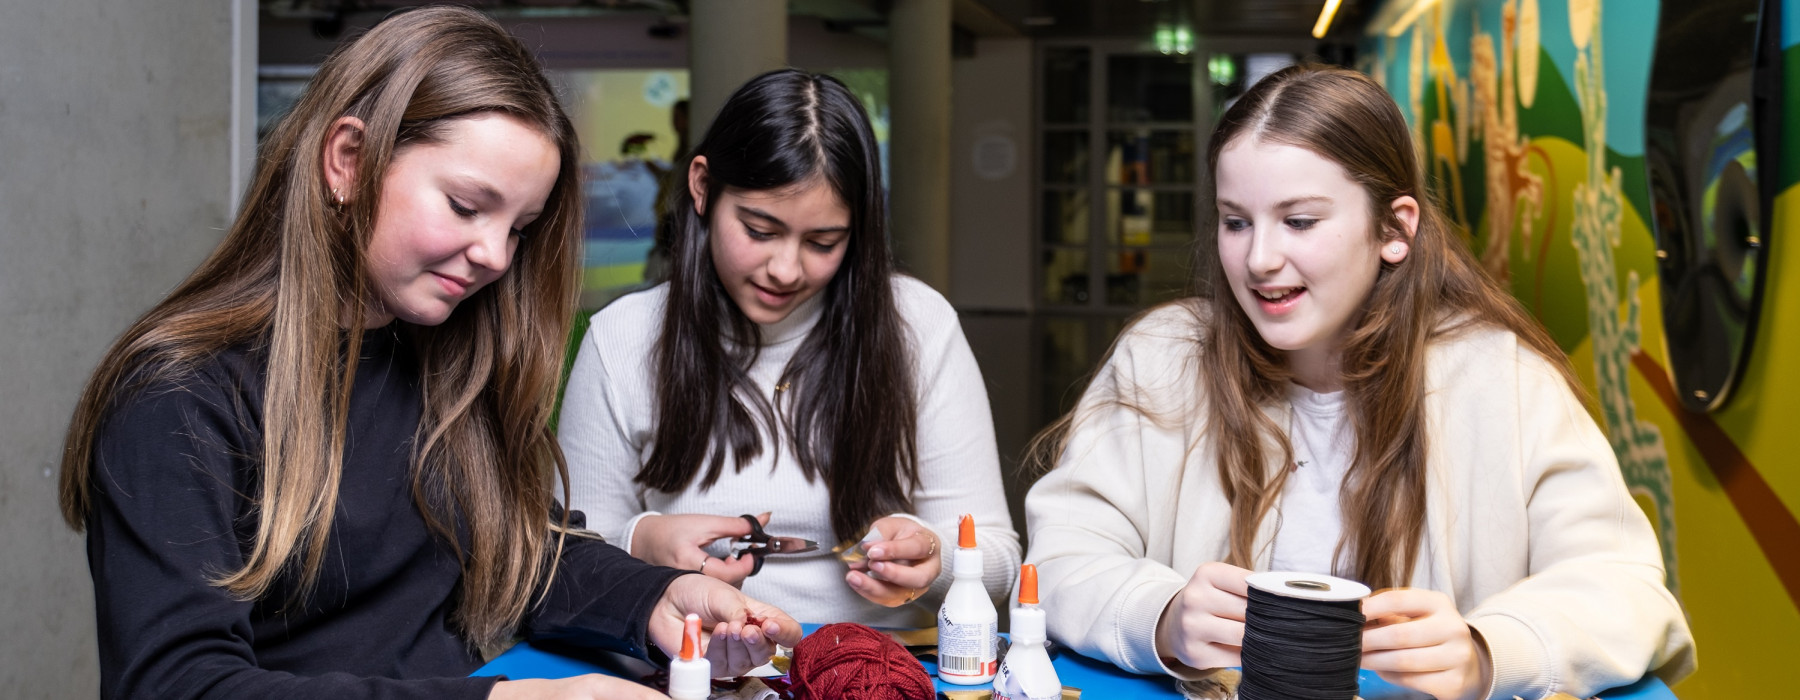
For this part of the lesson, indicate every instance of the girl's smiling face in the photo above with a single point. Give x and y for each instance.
(451, 213)
(1298, 245)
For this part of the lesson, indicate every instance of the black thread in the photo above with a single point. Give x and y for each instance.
(1299, 649)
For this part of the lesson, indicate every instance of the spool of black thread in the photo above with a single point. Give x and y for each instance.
(1302, 637)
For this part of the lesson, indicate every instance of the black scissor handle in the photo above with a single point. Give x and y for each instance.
(759, 541)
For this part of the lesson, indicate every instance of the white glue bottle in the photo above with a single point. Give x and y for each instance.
(968, 625)
(690, 674)
(1027, 674)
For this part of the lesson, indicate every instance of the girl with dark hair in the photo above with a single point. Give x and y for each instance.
(1348, 394)
(322, 466)
(786, 369)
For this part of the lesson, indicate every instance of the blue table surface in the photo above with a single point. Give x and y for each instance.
(1098, 680)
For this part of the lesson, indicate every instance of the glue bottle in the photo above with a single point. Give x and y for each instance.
(1027, 674)
(690, 675)
(968, 624)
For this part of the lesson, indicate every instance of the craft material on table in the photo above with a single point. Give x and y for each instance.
(968, 625)
(1097, 679)
(848, 661)
(1302, 636)
(690, 674)
(1026, 673)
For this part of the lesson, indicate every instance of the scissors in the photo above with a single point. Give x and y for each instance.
(759, 544)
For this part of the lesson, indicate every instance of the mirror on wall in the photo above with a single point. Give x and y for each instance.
(1711, 128)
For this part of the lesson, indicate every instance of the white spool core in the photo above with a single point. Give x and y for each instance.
(1293, 584)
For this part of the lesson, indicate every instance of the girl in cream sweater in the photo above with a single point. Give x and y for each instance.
(1349, 395)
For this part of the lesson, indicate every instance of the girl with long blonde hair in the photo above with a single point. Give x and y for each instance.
(322, 467)
(1347, 394)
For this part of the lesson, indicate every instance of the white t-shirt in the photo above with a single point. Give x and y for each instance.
(1312, 522)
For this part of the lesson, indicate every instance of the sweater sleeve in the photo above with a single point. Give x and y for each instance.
(597, 436)
(599, 597)
(1088, 520)
(959, 464)
(168, 479)
(1594, 612)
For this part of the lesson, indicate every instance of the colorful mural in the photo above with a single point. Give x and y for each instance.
(1530, 116)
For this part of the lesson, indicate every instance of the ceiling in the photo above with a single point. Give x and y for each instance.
(1035, 18)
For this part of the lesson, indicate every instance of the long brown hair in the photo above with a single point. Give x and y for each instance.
(851, 414)
(1436, 291)
(291, 273)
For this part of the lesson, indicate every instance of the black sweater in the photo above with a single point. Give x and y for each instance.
(175, 474)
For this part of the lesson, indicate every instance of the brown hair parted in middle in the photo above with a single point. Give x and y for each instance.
(1439, 289)
(292, 273)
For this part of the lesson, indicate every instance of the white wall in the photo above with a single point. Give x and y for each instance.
(114, 174)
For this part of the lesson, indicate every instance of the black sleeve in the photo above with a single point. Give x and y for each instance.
(601, 598)
(170, 484)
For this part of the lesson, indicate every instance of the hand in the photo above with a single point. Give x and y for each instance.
(678, 541)
(592, 686)
(744, 630)
(1203, 626)
(901, 566)
(1418, 640)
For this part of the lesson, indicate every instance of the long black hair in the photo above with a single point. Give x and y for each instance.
(851, 412)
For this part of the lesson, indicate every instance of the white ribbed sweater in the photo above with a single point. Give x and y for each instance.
(608, 422)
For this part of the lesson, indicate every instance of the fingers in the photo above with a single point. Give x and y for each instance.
(1225, 577)
(1203, 596)
(1198, 626)
(776, 625)
(1214, 655)
(1411, 634)
(918, 575)
(886, 593)
(1405, 603)
(719, 526)
(734, 653)
(732, 571)
(914, 546)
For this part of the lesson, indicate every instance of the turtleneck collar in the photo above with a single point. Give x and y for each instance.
(797, 324)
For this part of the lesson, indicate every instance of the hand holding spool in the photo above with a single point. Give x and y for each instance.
(1417, 639)
(1203, 626)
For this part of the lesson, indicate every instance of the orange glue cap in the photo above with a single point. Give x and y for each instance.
(965, 537)
(690, 638)
(1028, 584)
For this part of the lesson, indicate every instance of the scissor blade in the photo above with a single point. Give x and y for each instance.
(790, 545)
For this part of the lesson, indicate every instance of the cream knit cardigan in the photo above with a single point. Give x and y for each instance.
(1528, 526)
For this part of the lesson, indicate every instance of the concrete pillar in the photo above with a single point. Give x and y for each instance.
(730, 42)
(992, 172)
(919, 141)
(114, 185)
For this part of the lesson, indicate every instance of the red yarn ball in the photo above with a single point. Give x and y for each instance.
(848, 661)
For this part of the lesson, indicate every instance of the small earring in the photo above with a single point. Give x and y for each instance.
(1397, 248)
(338, 197)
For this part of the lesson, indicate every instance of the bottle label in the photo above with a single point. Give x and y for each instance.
(1010, 686)
(967, 649)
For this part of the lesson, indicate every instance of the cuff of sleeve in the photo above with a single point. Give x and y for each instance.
(631, 529)
(1520, 665)
(1139, 612)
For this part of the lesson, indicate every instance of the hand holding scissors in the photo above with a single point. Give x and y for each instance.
(759, 544)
